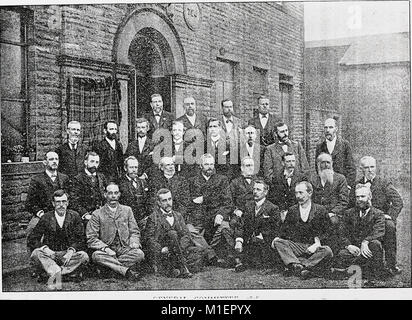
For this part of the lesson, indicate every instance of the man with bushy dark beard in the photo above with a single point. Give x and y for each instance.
(110, 151)
(330, 190)
(88, 187)
(361, 231)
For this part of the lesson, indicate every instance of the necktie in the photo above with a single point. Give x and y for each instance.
(53, 177)
(93, 179)
(250, 143)
(248, 180)
(73, 146)
(134, 182)
(363, 213)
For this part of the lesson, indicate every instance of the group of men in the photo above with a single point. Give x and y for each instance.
(217, 191)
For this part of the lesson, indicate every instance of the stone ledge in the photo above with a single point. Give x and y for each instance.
(21, 168)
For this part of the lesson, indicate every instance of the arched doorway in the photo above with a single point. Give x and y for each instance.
(148, 43)
(151, 56)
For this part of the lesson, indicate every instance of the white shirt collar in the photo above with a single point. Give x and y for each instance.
(331, 144)
(89, 173)
(192, 119)
(60, 220)
(366, 212)
(260, 202)
(49, 173)
(207, 178)
(215, 138)
(304, 212)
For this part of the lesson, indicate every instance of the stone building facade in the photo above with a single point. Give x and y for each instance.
(209, 50)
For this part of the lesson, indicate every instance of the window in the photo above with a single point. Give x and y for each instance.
(286, 98)
(13, 80)
(259, 83)
(225, 81)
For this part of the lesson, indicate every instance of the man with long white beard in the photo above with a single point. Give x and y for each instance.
(330, 189)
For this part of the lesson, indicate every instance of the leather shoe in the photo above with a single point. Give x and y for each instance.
(133, 275)
(395, 270)
(306, 274)
(185, 274)
(240, 267)
(296, 268)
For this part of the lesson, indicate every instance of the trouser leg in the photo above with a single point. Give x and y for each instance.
(321, 254)
(45, 260)
(102, 258)
(78, 258)
(128, 257)
(200, 241)
(389, 243)
(289, 251)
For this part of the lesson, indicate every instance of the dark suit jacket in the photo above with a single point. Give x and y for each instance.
(135, 198)
(165, 122)
(280, 193)
(216, 199)
(41, 189)
(104, 225)
(84, 197)
(145, 158)
(111, 161)
(272, 162)
(266, 134)
(237, 124)
(353, 229)
(157, 228)
(342, 158)
(317, 225)
(71, 162)
(335, 197)
(384, 197)
(241, 191)
(178, 186)
(71, 235)
(181, 164)
(225, 164)
(266, 221)
(200, 123)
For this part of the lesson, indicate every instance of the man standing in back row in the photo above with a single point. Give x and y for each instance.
(340, 151)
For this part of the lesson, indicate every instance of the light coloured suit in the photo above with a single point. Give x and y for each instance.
(117, 230)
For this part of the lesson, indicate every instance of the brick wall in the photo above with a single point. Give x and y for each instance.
(264, 35)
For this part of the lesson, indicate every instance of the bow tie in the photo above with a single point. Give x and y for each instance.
(368, 181)
(229, 121)
(248, 179)
(157, 115)
(250, 144)
(264, 116)
(170, 214)
(53, 176)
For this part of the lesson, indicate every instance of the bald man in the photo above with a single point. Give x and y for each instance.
(340, 151)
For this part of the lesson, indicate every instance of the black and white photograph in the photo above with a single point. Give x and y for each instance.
(205, 150)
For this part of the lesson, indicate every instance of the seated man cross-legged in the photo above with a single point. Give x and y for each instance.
(302, 233)
(57, 240)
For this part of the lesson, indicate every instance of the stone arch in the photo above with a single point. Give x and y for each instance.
(142, 21)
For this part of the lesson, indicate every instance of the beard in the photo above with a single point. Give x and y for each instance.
(284, 139)
(92, 169)
(326, 175)
(111, 136)
(208, 172)
(362, 204)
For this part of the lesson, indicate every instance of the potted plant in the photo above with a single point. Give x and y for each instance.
(32, 153)
(17, 152)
